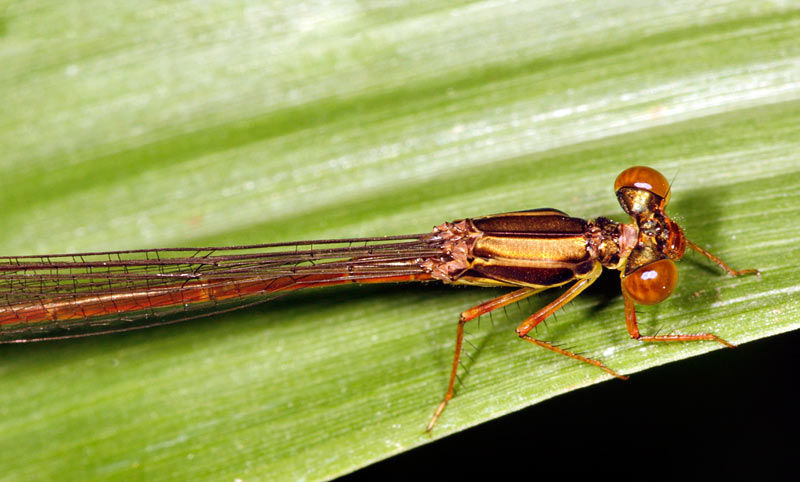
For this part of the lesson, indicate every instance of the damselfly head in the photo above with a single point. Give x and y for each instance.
(644, 193)
(649, 275)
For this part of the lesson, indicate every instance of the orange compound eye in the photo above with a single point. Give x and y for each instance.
(646, 178)
(651, 283)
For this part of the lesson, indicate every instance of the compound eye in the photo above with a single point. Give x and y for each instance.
(651, 283)
(647, 178)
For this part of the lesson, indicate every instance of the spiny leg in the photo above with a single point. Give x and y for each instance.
(466, 316)
(561, 351)
(722, 264)
(630, 308)
(526, 326)
(633, 329)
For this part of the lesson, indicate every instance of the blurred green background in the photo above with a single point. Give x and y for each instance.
(154, 124)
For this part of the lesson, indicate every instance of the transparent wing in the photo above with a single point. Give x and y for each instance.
(79, 294)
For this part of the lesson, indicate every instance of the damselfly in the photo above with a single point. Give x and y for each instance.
(73, 295)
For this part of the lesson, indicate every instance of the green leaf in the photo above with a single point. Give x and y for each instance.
(154, 124)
